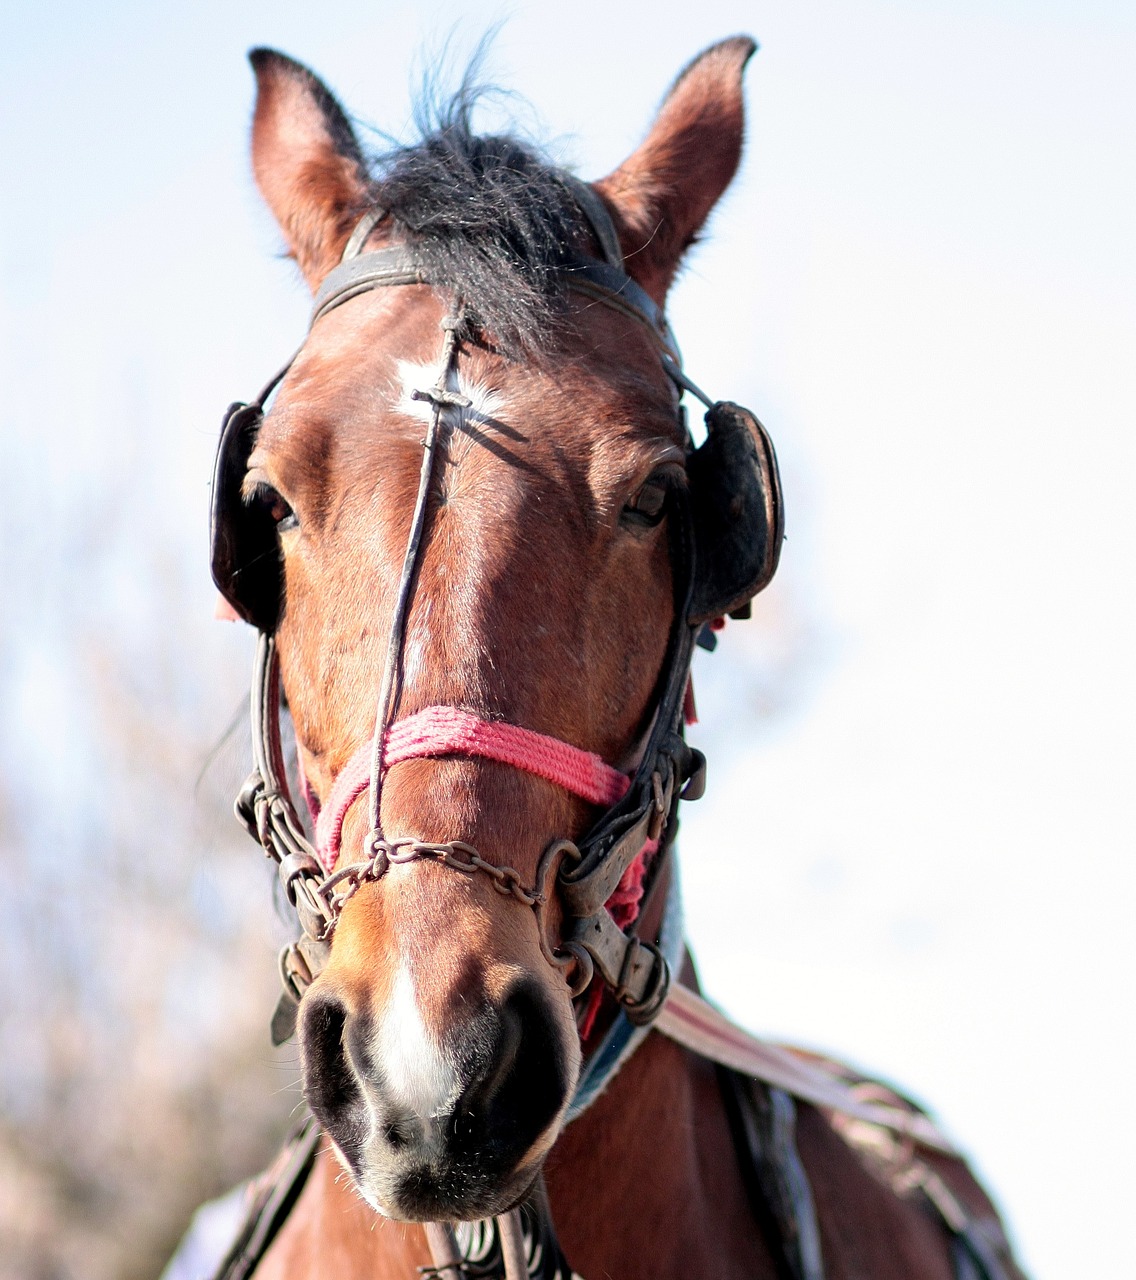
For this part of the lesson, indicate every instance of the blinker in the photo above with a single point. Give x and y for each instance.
(246, 562)
(736, 513)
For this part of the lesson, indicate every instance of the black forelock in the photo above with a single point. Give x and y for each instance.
(491, 217)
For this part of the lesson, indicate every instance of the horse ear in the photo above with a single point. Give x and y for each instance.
(306, 160)
(661, 195)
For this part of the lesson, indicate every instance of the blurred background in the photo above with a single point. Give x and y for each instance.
(916, 848)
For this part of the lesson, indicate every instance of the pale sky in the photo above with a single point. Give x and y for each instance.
(917, 845)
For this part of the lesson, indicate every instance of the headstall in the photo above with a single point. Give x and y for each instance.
(725, 532)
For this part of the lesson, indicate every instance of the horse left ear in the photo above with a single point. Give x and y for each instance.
(662, 194)
(307, 161)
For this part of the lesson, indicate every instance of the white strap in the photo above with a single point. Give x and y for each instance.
(698, 1026)
(444, 1250)
(512, 1237)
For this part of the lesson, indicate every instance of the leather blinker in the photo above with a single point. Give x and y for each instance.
(245, 556)
(736, 513)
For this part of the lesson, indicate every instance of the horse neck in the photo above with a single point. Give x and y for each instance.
(644, 1182)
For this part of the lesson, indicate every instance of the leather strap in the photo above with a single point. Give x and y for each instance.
(614, 288)
(763, 1126)
(392, 265)
(363, 228)
(399, 265)
(688, 1019)
(594, 209)
(271, 1199)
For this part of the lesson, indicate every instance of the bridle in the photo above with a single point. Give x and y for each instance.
(583, 873)
(725, 536)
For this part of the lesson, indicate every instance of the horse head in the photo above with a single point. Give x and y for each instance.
(439, 1045)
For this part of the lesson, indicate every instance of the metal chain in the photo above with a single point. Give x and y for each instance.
(322, 895)
(456, 854)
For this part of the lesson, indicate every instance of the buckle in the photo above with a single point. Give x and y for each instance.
(643, 1011)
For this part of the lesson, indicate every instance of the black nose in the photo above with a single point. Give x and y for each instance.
(511, 1078)
(333, 1089)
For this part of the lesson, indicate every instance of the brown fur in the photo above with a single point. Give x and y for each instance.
(536, 605)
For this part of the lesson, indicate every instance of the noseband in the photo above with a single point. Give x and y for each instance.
(642, 812)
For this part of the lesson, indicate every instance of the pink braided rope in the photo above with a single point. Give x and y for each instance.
(440, 731)
(444, 731)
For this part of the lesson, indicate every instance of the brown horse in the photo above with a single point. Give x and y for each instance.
(445, 1029)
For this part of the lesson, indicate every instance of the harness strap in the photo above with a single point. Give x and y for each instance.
(978, 1244)
(594, 209)
(271, 1198)
(445, 731)
(763, 1123)
(690, 1020)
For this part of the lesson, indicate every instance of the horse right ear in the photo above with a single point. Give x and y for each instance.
(663, 192)
(306, 160)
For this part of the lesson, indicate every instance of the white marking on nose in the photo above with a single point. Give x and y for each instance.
(418, 1075)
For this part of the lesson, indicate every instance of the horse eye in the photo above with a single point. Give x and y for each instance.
(282, 515)
(649, 505)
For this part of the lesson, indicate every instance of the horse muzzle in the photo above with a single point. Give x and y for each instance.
(432, 1127)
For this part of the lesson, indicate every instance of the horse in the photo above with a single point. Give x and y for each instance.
(472, 527)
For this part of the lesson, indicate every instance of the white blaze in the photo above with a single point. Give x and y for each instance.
(418, 1075)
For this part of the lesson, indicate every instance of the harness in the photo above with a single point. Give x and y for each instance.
(725, 537)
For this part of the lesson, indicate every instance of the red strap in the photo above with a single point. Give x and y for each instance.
(444, 731)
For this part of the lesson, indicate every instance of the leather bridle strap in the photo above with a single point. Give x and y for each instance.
(440, 397)
(688, 1019)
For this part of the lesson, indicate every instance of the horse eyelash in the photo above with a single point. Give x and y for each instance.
(671, 479)
(262, 493)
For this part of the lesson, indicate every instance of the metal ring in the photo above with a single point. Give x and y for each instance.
(564, 955)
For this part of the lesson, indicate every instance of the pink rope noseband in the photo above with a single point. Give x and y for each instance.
(448, 731)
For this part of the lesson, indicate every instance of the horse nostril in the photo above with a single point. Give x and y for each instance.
(510, 1031)
(524, 1087)
(330, 1085)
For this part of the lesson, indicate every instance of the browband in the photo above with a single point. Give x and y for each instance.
(399, 264)
(604, 280)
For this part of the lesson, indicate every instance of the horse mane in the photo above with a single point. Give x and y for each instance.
(490, 216)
